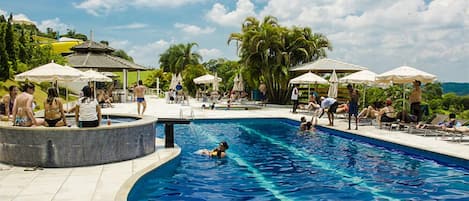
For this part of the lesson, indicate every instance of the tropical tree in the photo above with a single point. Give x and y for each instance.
(122, 54)
(268, 50)
(190, 72)
(10, 42)
(177, 57)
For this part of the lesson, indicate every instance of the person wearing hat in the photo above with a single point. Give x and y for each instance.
(353, 105)
(331, 105)
(414, 100)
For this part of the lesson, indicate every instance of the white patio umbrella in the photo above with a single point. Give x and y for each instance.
(215, 82)
(174, 82)
(51, 72)
(94, 76)
(333, 88)
(235, 83)
(240, 82)
(205, 79)
(403, 75)
(179, 79)
(308, 78)
(365, 77)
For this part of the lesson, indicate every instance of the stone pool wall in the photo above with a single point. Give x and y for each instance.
(70, 147)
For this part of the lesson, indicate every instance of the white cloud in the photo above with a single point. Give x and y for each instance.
(220, 15)
(119, 44)
(192, 29)
(130, 26)
(4, 13)
(148, 54)
(380, 34)
(55, 24)
(100, 7)
(208, 54)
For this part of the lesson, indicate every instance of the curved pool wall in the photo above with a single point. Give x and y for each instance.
(71, 147)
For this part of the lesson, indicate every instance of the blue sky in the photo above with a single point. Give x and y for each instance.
(429, 35)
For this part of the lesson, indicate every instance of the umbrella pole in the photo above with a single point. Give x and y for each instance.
(309, 91)
(364, 95)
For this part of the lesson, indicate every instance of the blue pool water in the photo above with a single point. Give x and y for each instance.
(269, 159)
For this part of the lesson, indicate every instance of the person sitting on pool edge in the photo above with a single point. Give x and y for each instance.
(218, 152)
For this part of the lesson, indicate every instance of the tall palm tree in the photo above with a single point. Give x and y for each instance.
(177, 57)
(268, 50)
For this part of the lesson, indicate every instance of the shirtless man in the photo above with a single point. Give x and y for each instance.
(22, 108)
(139, 92)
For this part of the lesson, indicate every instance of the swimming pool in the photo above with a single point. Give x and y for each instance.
(269, 159)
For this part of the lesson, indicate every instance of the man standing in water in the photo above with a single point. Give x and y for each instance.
(23, 110)
(139, 92)
(353, 105)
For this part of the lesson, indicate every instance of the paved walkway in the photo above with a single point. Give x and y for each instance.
(102, 182)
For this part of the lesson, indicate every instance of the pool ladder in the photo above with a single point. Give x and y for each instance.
(191, 113)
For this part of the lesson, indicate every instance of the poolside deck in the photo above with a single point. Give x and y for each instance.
(103, 182)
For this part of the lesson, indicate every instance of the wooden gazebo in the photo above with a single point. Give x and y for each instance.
(97, 56)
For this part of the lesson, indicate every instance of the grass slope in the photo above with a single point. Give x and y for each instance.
(132, 76)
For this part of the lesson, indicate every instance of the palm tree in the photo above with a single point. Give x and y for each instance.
(268, 50)
(177, 57)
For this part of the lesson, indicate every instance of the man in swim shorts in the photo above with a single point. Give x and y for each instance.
(353, 106)
(139, 92)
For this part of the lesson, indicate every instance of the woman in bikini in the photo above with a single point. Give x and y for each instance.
(6, 106)
(218, 152)
(53, 109)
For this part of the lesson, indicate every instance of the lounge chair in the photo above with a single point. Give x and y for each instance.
(428, 128)
(460, 130)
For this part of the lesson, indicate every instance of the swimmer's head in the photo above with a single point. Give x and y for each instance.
(224, 145)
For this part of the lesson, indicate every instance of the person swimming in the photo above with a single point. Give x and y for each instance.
(218, 152)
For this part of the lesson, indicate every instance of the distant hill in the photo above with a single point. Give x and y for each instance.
(458, 88)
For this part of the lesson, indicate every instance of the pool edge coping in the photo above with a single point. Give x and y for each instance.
(124, 190)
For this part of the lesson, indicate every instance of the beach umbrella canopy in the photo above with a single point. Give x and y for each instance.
(405, 74)
(240, 83)
(361, 77)
(205, 79)
(235, 83)
(328, 65)
(174, 82)
(50, 72)
(333, 88)
(91, 75)
(215, 82)
(179, 79)
(308, 78)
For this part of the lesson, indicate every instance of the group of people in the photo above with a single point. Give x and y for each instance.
(19, 108)
(329, 105)
(382, 114)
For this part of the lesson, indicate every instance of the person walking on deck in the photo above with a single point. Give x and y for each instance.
(294, 98)
(140, 97)
(353, 105)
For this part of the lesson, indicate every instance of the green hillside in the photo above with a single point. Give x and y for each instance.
(460, 89)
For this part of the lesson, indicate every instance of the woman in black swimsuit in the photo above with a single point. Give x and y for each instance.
(53, 109)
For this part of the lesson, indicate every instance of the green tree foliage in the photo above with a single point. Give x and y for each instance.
(190, 72)
(164, 77)
(4, 64)
(123, 54)
(10, 41)
(268, 50)
(19, 51)
(226, 70)
(177, 57)
(105, 42)
(71, 33)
